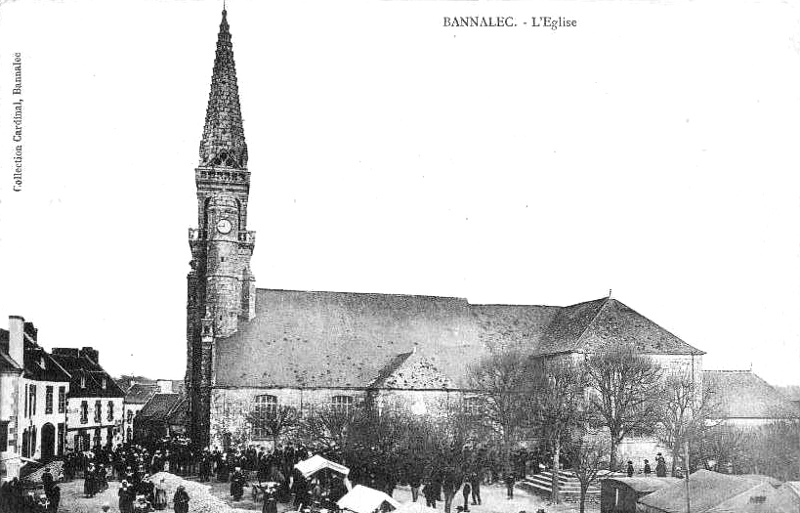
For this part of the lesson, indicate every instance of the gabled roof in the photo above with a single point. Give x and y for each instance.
(742, 394)
(308, 339)
(41, 366)
(140, 393)
(80, 366)
(159, 407)
(589, 327)
(707, 490)
(178, 415)
(411, 371)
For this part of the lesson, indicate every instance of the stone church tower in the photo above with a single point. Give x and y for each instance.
(221, 286)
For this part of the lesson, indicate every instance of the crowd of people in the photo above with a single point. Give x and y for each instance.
(132, 464)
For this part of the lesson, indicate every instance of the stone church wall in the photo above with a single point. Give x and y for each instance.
(230, 406)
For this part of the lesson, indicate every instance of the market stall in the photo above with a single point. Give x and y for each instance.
(362, 499)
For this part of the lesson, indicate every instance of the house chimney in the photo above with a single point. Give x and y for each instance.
(91, 353)
(16, 339)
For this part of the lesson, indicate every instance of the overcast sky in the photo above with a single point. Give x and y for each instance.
(652, 150)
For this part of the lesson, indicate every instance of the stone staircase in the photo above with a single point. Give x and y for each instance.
(569, 486)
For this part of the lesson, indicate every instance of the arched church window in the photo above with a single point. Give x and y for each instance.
(342, 403)
(473, 405)
(264, 408)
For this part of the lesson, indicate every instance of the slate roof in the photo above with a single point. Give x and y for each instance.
(41, 366)
(301, 339)
(79, 365)
(742, 394)
(411, 371)
(706, 489)
(335, 339)
(588, 327)
(140, 393)
(179, 414)
(158, 407)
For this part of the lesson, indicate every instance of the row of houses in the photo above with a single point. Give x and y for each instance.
(52, 402)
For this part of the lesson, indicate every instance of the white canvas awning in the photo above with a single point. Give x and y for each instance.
(316, 463)
(362, 499)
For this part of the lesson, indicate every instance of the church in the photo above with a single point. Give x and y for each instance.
(251, 349)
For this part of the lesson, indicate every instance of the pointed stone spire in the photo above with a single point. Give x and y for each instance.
(223, 141)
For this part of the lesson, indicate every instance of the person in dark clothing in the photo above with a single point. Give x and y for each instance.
(47, 479)
(661, 466)
(237, 484)
(270, 502)
(475, 484)
(300, 489)
(465, 491)
(414, 483)
(126, 496)
(431, 493)
(181, 500)
(647, 469)
(88, 481)
(54, 498)
(510, 479)
(630, 468)
(448, 489)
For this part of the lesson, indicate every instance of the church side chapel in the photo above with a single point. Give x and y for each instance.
(253, 351)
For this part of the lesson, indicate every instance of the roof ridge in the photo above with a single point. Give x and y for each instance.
(594, 318)
(388, 294)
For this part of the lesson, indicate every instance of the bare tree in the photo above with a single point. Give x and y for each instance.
(587, 455)
(274, 422)
(502, 381)
(558, 406)
(724, 448)
(689, 411)
(329, 426)
(624, 390)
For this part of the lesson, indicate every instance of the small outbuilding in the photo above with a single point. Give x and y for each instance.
(711, 492)
(620, 494)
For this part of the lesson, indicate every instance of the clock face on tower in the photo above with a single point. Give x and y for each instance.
(224, 226)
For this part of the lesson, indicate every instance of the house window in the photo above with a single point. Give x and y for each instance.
(62, 400)
(98, 411)
(264, 406)
(83, 381)
(32, 400)
(96, 441)
(61, 437)
(84, 412)
(25, 410)
(48, 400)
(103, 383)
(472, 405)
(130, 416)
(342, 403)
(110, 410)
